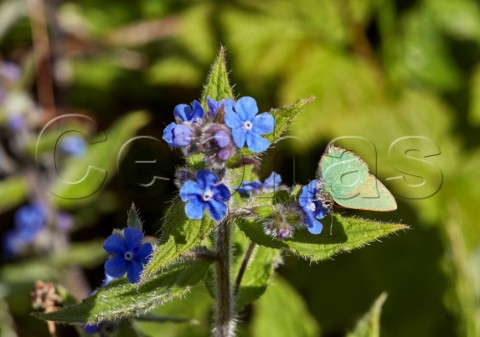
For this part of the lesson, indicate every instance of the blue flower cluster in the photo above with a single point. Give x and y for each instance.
(29, 221)
(225, 127)
(256, 186)
(313, 207)
(128, 254)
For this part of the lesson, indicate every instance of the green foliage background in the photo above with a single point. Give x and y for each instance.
(378, 69)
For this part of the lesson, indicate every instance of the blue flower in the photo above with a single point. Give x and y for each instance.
(206, 193)
(271, 183)
(73, 145)
(214, 107)
(185, 113)
(177, 135)
(249, 187)
(247, 126)
(92, 328)
(128, 254)
(29, 220)
(312, 206)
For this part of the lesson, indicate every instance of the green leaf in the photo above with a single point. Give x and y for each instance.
(285, 115)
(217, 85)
(16, 190)
(369, 325)
(133, 218)
(281, 312)
(258, 273)
(82, 178)
(180, 235)
(121, 299)
(347, 234)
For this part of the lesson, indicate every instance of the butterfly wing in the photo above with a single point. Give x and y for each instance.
(342, 172)
(346, 179)
(371, 196)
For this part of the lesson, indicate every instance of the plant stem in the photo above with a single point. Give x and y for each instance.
(224, 316)
(243, 267)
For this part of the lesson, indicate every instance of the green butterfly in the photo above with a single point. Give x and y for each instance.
(345, 179)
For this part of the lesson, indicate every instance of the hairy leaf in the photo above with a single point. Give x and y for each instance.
(180, 235)
(369, 325)
(120, 299)
(217, 85)
(133, 218)
(347, 234)
(285, 115)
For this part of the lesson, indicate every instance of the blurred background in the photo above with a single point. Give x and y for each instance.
(399, 79)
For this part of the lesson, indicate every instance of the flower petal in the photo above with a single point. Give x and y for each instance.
(222, 139)
(206, 179)
(263, 123)
(232, 120)
(256, 143)
(115, 244)
(197, 111)
(320, 211)
(134, 271)
(247, 187)
(313, 225)
(168, 133)
(273, 181)
(190, 190)
(221, 192)
(212, 107)
(133, 238)
(183, 112)
(246, 108)
(217, 209)
(239, 136)
(194, 209)
(182, 135)
(116, 266)
(143, 253)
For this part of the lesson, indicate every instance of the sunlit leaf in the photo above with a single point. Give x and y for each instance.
(179, 235)
(347, 234)
(120, 299)
(217, 85)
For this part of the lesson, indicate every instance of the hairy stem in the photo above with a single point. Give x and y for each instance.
(243, 267)
(224, 316)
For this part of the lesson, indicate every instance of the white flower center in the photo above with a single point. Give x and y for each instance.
(247, 125)
(207, 195)
(128, 256)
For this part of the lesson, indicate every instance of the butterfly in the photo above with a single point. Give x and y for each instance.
(345, 179)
